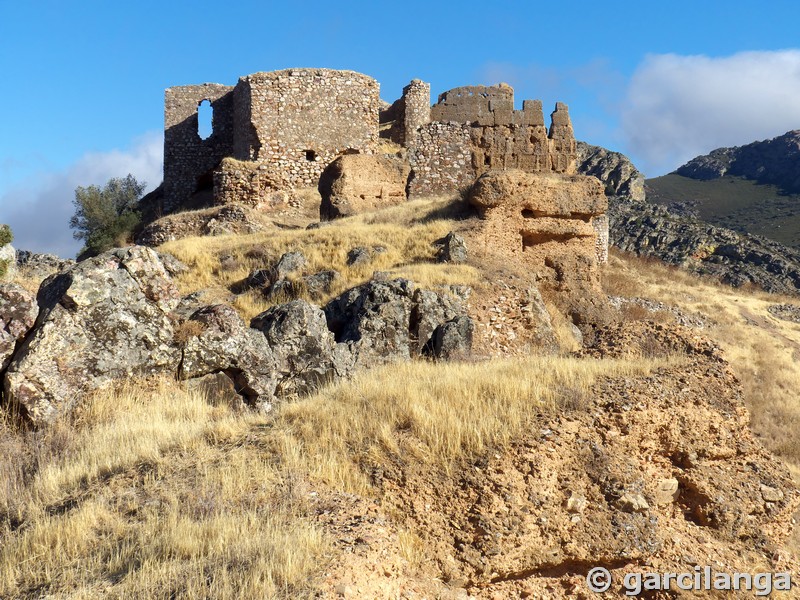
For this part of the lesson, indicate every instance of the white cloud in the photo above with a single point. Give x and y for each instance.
(678, 107)
(39, 212)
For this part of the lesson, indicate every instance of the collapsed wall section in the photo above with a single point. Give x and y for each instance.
(299, 120)
(189, 160)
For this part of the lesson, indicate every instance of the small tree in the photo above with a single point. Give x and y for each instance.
(104, 218)
(6, 237)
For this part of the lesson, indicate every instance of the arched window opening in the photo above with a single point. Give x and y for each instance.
(205, 116)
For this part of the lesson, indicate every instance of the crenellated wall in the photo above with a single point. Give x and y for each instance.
(480, 123)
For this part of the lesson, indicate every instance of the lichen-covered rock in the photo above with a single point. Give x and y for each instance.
(288, 264)
(8, 262)
(357, 183)
(105, 318)
(358, 256)
(389, 321)
(229, 218)
(317, 285)
(18, 310)
(40, 266)
(430, 310)
(305, 352)
(375, 318)
(453, 340)
(225, 344)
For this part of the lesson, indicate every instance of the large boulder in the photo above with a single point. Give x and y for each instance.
(18, 310)
(356, 183)
(305, 352)
(216, 340)
(375, 318)
(390, 321)
(105, 318)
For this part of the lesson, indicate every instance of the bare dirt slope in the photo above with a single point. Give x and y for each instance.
(657, 447)
(589, 487)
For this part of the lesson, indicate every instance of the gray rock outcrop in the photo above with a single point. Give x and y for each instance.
(18, 310)
(620, 178)
(119, 316)
(104, 319)
(41, 266)
(305, 352)
(453, 340)
(775, 162)
(226, 345)
(451, 249)
(390, 321)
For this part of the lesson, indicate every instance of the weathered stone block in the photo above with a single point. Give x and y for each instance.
(358, 183)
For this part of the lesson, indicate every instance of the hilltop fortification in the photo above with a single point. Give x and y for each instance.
(280, 130)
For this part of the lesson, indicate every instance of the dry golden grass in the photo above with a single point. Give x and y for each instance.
(407, 232)
(449, 411)
(763, 351)
(153, 491)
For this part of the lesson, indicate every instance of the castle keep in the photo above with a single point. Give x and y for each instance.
(287, 126)
(280, 130)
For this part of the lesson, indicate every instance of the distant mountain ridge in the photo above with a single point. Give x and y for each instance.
(679, 237)
(775, 162)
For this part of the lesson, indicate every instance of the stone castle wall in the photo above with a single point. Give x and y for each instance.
(245, 182)
(480, 123)
(299, 120)
(441, 159)
(295, 121)
(189, 159)
(285, 127)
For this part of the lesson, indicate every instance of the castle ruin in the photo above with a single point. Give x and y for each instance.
(280, 130)
(287, 126)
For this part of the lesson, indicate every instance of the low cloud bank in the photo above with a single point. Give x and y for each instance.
(39, 212)
(677, 107)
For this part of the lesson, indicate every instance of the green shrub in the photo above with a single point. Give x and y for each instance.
(6, 237)
(106, 217)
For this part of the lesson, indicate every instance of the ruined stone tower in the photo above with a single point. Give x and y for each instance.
(280, 130)
(288, 124)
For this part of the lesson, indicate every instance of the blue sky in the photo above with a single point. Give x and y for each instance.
(82, 83)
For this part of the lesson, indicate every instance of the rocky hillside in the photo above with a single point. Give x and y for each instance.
(678, 236)
(775, 162)
(285, 414)
(751, 189)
